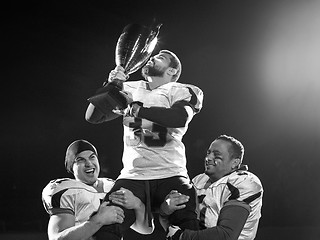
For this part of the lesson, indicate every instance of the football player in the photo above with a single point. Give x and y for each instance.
(74, 204)
(154, 123)
(230, 197)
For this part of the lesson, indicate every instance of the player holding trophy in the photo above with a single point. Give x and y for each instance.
(156, 113)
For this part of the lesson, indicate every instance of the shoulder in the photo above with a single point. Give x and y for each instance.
(200, 180)
(185, 92)
(58, 195)
(57, 185)
(246, 178)
(107, 183)
(244, 184)
(182, 86)
(62, 185)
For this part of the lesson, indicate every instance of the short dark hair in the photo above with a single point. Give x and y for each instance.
(237, 148)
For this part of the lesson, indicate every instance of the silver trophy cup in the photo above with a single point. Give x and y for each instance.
(134, 48)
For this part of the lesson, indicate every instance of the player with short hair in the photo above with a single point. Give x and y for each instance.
(154, 123)
(230, 197)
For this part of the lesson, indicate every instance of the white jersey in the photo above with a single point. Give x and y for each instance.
(67, 195)
(239, 185)
(152, 151)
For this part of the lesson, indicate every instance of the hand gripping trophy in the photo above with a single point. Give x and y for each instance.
(134, 48)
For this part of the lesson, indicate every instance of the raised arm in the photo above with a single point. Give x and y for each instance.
(101, 105)
(95, 116)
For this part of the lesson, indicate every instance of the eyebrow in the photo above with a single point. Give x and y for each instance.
(214, 151)
(78, 158)
(92, 154)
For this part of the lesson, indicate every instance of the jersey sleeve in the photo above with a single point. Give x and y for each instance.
(230, 224)
(244, 186)
(57, 197)
(108, 183)
(189, 94)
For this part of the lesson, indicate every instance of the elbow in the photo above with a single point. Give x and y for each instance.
(179, 123)
(92, 115)
(181, 120)
(92, 120)
(55, 237)
(88, 118)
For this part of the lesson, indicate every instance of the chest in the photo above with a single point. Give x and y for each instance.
(157, 97)
(86, 204)
(211, 201)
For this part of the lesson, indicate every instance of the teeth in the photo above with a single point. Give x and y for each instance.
(89, 171)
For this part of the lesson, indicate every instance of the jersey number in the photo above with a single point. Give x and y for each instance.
(156, 138)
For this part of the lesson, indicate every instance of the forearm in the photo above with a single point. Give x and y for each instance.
(141, 224)
(104, 102)
(205, 234)
(229, 226)
(175, 117)
(81, 231)
(93, 115)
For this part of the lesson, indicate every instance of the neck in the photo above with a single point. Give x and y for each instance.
(98, 186)
(155, 82)
(214, 178)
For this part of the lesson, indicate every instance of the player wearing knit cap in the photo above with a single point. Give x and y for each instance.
(75, 148)
(74, 204)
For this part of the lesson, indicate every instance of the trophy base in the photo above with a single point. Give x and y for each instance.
(108, 98)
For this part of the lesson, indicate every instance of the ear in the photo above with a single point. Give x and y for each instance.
(235, 163)
(172, 71)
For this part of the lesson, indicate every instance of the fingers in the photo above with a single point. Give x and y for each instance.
(118, 215)
(173, 191)
(119, 112)
(176, 201)
(122, 112)
(103, 204)
(109, 214)
(179, 207)
(117, 73)
(118, 197)
(119, 68)
(119, 211)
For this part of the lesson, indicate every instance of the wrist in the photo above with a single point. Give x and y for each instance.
(94, 219)
(164, 211)
(139, 206)
(135, 108)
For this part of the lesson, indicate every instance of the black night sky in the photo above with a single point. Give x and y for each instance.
(256, 61)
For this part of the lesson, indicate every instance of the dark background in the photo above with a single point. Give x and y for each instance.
(257, 62)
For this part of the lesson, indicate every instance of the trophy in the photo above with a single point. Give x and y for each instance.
(134, 48)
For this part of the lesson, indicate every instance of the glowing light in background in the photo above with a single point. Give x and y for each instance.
(289, 65)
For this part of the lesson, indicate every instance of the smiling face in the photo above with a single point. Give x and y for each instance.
(219, 160)
(86, 167)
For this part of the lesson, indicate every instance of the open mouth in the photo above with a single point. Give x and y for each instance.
(90, 171)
